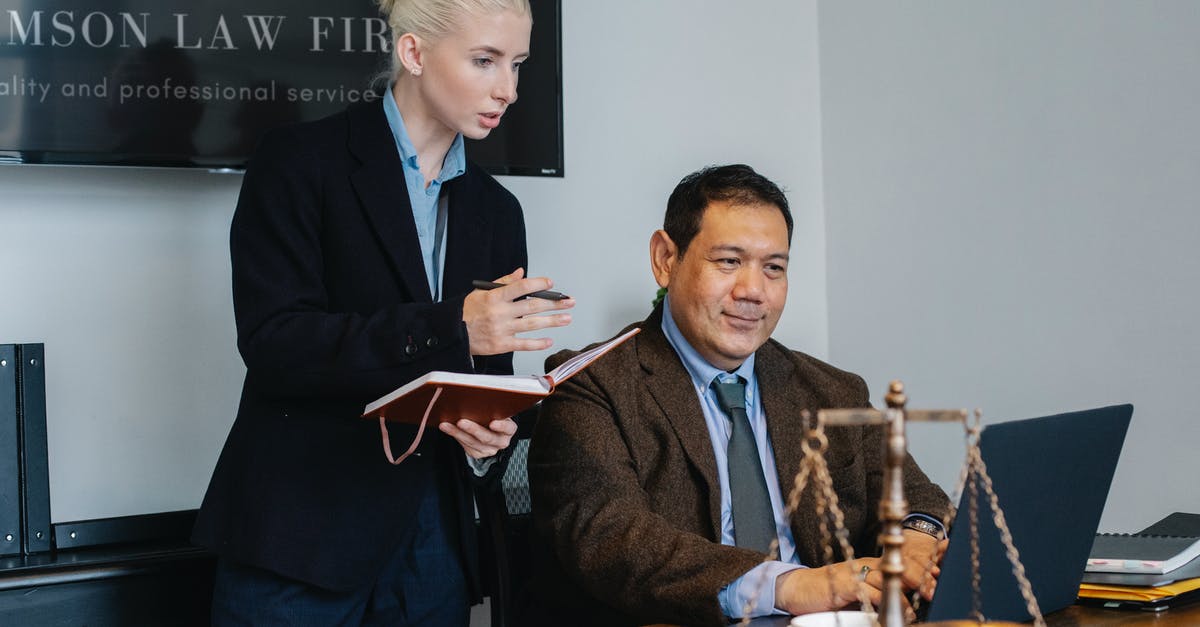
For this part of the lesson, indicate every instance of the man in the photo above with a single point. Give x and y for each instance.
(654, 498)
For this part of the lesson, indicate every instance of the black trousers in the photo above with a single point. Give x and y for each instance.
(423, 585)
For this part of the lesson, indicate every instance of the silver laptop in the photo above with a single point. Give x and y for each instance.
(1052, 476)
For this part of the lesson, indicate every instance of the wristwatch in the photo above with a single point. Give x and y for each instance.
(924, 526)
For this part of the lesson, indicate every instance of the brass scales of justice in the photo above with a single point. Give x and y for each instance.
(893, 507)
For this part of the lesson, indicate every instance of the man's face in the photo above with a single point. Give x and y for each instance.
(728, 289)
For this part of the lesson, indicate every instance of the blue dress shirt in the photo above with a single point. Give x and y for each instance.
(425, 198)
(733, 598)
(424, 201)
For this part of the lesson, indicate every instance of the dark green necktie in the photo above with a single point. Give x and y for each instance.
(753, 517)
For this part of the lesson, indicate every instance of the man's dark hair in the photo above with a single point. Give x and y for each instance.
(736, 184)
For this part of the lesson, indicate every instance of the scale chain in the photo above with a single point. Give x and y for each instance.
(813, 465)
(973, 475)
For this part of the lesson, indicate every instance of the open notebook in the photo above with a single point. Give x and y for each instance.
(451, 396)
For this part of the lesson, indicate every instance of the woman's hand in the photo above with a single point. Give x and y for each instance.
(494, 317)
(481, 441)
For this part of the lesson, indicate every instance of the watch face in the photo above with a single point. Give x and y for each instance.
(924, 526)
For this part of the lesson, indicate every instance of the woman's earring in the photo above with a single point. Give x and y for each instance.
(416, 71)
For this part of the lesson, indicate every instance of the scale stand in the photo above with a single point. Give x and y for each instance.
(893, 507)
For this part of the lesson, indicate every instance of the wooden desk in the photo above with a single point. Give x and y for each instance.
(1097, 617)
(1079, 616)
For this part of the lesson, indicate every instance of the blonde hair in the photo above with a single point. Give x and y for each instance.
(431, 20)
(434, 19)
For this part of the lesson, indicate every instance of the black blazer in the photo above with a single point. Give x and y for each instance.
(333, 310)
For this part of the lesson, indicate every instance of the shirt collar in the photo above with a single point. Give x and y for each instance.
(455, 162)
(701, 371)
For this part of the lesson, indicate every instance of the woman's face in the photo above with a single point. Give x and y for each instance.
(470, 76)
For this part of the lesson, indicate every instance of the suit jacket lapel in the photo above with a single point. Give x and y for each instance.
(669, 383)
(468, 247)
(782, 407)
(379, 183)
(784, 397)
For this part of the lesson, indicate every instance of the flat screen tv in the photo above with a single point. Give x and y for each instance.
(195, 84)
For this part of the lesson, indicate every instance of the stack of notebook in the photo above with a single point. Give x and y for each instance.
(1154, 569)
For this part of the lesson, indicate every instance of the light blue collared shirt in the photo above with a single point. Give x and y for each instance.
(425, 198)
(425, 211)
(733, 598)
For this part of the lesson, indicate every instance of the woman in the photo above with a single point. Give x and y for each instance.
(353, 247)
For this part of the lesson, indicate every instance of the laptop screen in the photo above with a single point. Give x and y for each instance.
(1051, 476)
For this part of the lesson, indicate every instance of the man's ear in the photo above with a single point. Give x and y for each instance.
(664, 254)
(409, 51)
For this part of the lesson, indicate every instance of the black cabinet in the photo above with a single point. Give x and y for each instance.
(160, 584)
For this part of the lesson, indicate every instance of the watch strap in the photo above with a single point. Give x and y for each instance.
(924, 526)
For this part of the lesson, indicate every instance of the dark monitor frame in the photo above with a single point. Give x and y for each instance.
(100, 131)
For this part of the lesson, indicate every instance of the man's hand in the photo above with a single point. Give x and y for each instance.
(922, 558)
(807, 590)
(836, 586)
(479, 441)
(494, 317)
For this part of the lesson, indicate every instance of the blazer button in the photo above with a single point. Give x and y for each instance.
(431, 342)
(410, 350)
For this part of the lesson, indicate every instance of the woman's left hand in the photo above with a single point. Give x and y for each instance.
(481, 441)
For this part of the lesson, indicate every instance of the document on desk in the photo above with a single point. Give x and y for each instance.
(1141, 553)
(1190, 570)
(1174, 524)
(1148, 598)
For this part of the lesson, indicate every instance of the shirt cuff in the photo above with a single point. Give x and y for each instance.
(734, 597)
(480, 466)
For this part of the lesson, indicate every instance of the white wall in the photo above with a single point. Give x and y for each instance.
(124, 274)
(1010, 195)
(653, 91)
(1011, 200)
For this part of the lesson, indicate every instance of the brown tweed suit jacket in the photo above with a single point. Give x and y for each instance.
(626, 500)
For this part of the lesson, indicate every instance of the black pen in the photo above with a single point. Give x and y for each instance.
(542, 294)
